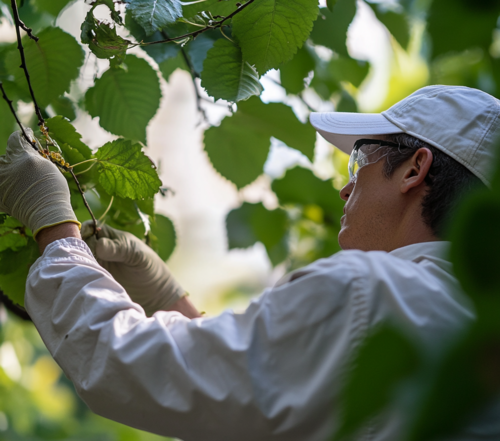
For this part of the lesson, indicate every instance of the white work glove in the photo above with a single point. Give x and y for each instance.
(135, 266)
(32, 189)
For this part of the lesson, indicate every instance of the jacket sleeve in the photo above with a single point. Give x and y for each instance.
(269, 373)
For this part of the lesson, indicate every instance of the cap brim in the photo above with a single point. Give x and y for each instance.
(342, 129)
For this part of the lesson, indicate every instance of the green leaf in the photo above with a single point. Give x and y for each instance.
(102, 38)
(227, 76)
(253, 223)
(65, 107)
(63, 132)
(14, 268)
(7, 126)
(279, 121)
(236, 151)
(239, 147)
(53, 63)
(296, 70)
(169, 66)
(53, 7)
(159, 52)
(125, 171)
(154, 15)
(348, 69)
(385, 359)
(163, 237)
(301, 186)
(475, 22)
(330, 4)
(12, 234)
(270, 31)
(125, 100)
(330, 29)
(347, 103)
(215, 7)
(197, 49)
(397, 24)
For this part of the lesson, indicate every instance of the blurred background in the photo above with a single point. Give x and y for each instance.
(36, 400)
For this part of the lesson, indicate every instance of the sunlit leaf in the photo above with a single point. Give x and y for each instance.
(125, 171)
(226, 75)
(396, 23)
(65, 107)
(63, 132)
(125, 100)
(53, 7)
(271, 31)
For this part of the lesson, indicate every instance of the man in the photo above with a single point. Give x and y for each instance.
(275, 371)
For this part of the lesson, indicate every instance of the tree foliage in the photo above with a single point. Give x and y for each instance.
(229, 46)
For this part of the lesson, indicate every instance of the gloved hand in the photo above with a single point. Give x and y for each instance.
(32, 189)
(135, 266)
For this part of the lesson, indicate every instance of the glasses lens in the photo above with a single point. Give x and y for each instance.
(365, 154)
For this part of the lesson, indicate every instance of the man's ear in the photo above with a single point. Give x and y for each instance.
(416, 169)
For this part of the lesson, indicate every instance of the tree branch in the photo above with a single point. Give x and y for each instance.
(19, 24)
(14, 308)
(213, 25)
(84, 200)
(13, 111)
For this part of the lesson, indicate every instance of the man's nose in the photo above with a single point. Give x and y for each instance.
(346, 190)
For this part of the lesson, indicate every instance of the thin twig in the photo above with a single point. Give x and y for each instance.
(194, 75)
(23, 66)
(84, 200)
(28, 30)
(214, 25)
(13, 111)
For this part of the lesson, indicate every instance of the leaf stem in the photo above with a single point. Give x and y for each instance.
(84, 200)
(13, 111)
(19, 25)
(214, 25)
(107, 209)
(86, 170)
(84, 162)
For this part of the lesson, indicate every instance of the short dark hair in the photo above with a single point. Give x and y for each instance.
(447, 180)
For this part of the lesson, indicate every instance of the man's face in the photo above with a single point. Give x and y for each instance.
(371, 208)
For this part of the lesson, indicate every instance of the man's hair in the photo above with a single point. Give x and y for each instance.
(447, 180)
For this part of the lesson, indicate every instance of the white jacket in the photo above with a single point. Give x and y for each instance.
(271, 373)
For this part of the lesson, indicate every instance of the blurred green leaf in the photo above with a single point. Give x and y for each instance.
(169, 66)
(330, 29)
(53, 7)
(239, 147)
(125, 100)
(154, 15)
(253, 223)
(301, 186)
(396, 23)
(226, 75)
(125, 171)
(53, 63)
(8, 125)
(163, 237)
(296, 70)
(14, 267)
(385, 359)
(348, 69)
(331, 4)
(271, 31)
(474, 20)
(346, 103)
(64, 106)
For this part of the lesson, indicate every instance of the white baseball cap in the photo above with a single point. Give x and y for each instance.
(462, 122)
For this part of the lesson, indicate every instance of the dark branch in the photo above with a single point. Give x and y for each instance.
(94, 220)
(23, 66)
(13, 111)
(213, 25)
(28, 30)
(13, 307)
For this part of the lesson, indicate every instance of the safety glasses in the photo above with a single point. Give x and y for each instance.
(365, 152)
